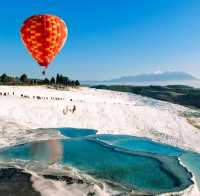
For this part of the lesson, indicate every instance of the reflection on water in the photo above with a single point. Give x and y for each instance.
(46, 152)
(50, 151)
(148, 167)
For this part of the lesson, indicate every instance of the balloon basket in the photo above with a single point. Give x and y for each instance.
(43, 73)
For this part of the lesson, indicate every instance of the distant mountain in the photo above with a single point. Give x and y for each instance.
(155, 77)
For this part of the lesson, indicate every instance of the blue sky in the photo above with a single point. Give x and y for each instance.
(108, 38)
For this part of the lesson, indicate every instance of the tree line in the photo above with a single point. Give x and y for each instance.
(58, 80)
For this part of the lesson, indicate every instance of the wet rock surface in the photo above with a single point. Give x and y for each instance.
(15, 182)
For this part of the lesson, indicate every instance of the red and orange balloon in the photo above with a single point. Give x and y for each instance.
(44, 36)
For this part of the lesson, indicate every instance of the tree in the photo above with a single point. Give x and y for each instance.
(77, 83)
(66, 80)
(46, 81)
(61, 79)
(57, 79)
(52, 81)
(23, 78)
(4, 78)
(72, 83)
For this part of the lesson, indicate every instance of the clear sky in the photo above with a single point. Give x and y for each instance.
(108, 38)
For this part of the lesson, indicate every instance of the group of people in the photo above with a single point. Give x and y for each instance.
(42, 98)
(67, 109)
(5, 93)
(34, 97)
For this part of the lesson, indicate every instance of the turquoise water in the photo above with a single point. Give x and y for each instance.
(123, 141)
(135, 163)
(192, 161)
(139, 144)
(145, 172)
(152, 173)
(72, 133)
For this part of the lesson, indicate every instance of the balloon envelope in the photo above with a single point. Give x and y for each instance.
(44, 36)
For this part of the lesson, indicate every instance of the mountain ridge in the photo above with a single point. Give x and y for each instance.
(150, 77)
(154, 77)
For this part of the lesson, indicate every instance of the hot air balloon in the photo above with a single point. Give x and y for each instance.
(44, 36)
